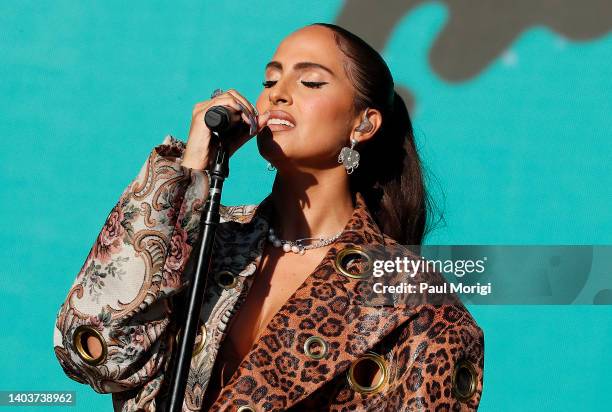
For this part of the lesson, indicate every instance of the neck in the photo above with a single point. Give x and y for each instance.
(307, 210)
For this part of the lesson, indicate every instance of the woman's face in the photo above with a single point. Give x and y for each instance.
(306, 88)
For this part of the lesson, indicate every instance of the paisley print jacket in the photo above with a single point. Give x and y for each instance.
(128, 295)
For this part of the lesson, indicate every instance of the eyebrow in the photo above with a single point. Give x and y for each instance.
(300, 66)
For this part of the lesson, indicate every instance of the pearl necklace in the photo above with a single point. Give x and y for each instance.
(296, 246)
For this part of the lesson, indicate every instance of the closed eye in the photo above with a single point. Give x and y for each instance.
(313, 85)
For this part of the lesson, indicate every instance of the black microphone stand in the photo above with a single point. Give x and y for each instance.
(218, 121)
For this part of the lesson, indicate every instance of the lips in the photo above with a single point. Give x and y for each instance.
(280, 120)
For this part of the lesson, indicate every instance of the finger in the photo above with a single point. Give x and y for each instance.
(229, 100)
(197, 108)
(248, 106)
(226, 101)
(262, 120)
(248, 109)
(247, 116)
(250, 118)
(242, 99)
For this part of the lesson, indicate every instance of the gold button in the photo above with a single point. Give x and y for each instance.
(226, 279)
(349, 255)
(360, 362)
(79, 340)
(198, 346)
(464, 380)
(246, 408)
(314, 341)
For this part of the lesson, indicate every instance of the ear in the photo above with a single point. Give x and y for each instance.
(366, 124)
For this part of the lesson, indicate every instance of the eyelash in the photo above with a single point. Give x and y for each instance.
(312, 85)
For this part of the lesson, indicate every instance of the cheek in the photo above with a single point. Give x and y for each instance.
(321, 107)
(327, 117)
(259, 104)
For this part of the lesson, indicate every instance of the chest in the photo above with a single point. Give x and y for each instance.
(277, 278)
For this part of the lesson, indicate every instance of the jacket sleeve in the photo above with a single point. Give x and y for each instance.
(443, 371)
(122, 292)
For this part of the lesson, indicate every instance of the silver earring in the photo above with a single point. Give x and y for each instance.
(349, 157)
(271, 167)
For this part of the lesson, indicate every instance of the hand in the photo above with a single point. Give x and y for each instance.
(199, 151)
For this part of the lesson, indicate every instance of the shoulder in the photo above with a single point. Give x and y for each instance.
(437, 361)
(439, 350)
(438, 353)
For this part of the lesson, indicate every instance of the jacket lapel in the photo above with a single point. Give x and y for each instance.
(276, 373)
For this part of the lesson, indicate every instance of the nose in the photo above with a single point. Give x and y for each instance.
(279, 94)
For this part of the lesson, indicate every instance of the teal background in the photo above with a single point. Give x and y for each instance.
(521, 154)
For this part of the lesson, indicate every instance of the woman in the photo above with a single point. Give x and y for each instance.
(283, 325)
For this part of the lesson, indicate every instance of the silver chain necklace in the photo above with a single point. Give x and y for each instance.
(297, 246)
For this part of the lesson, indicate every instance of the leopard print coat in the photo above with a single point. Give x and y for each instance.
(128, 294)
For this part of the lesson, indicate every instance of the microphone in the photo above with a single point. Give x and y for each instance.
(221, 119)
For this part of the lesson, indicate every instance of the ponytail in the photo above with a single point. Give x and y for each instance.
(390, 178)
(390, 174)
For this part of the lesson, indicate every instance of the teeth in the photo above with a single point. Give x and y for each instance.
(280, 121)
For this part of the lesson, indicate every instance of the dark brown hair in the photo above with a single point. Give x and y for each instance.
(390, 174)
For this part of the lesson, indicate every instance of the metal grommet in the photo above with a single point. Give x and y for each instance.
(246, 408)
(314, 340)
(226, 279)
(464, 380)
(382, 365)
(79, 341)
(351, 251)
(198, 345)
